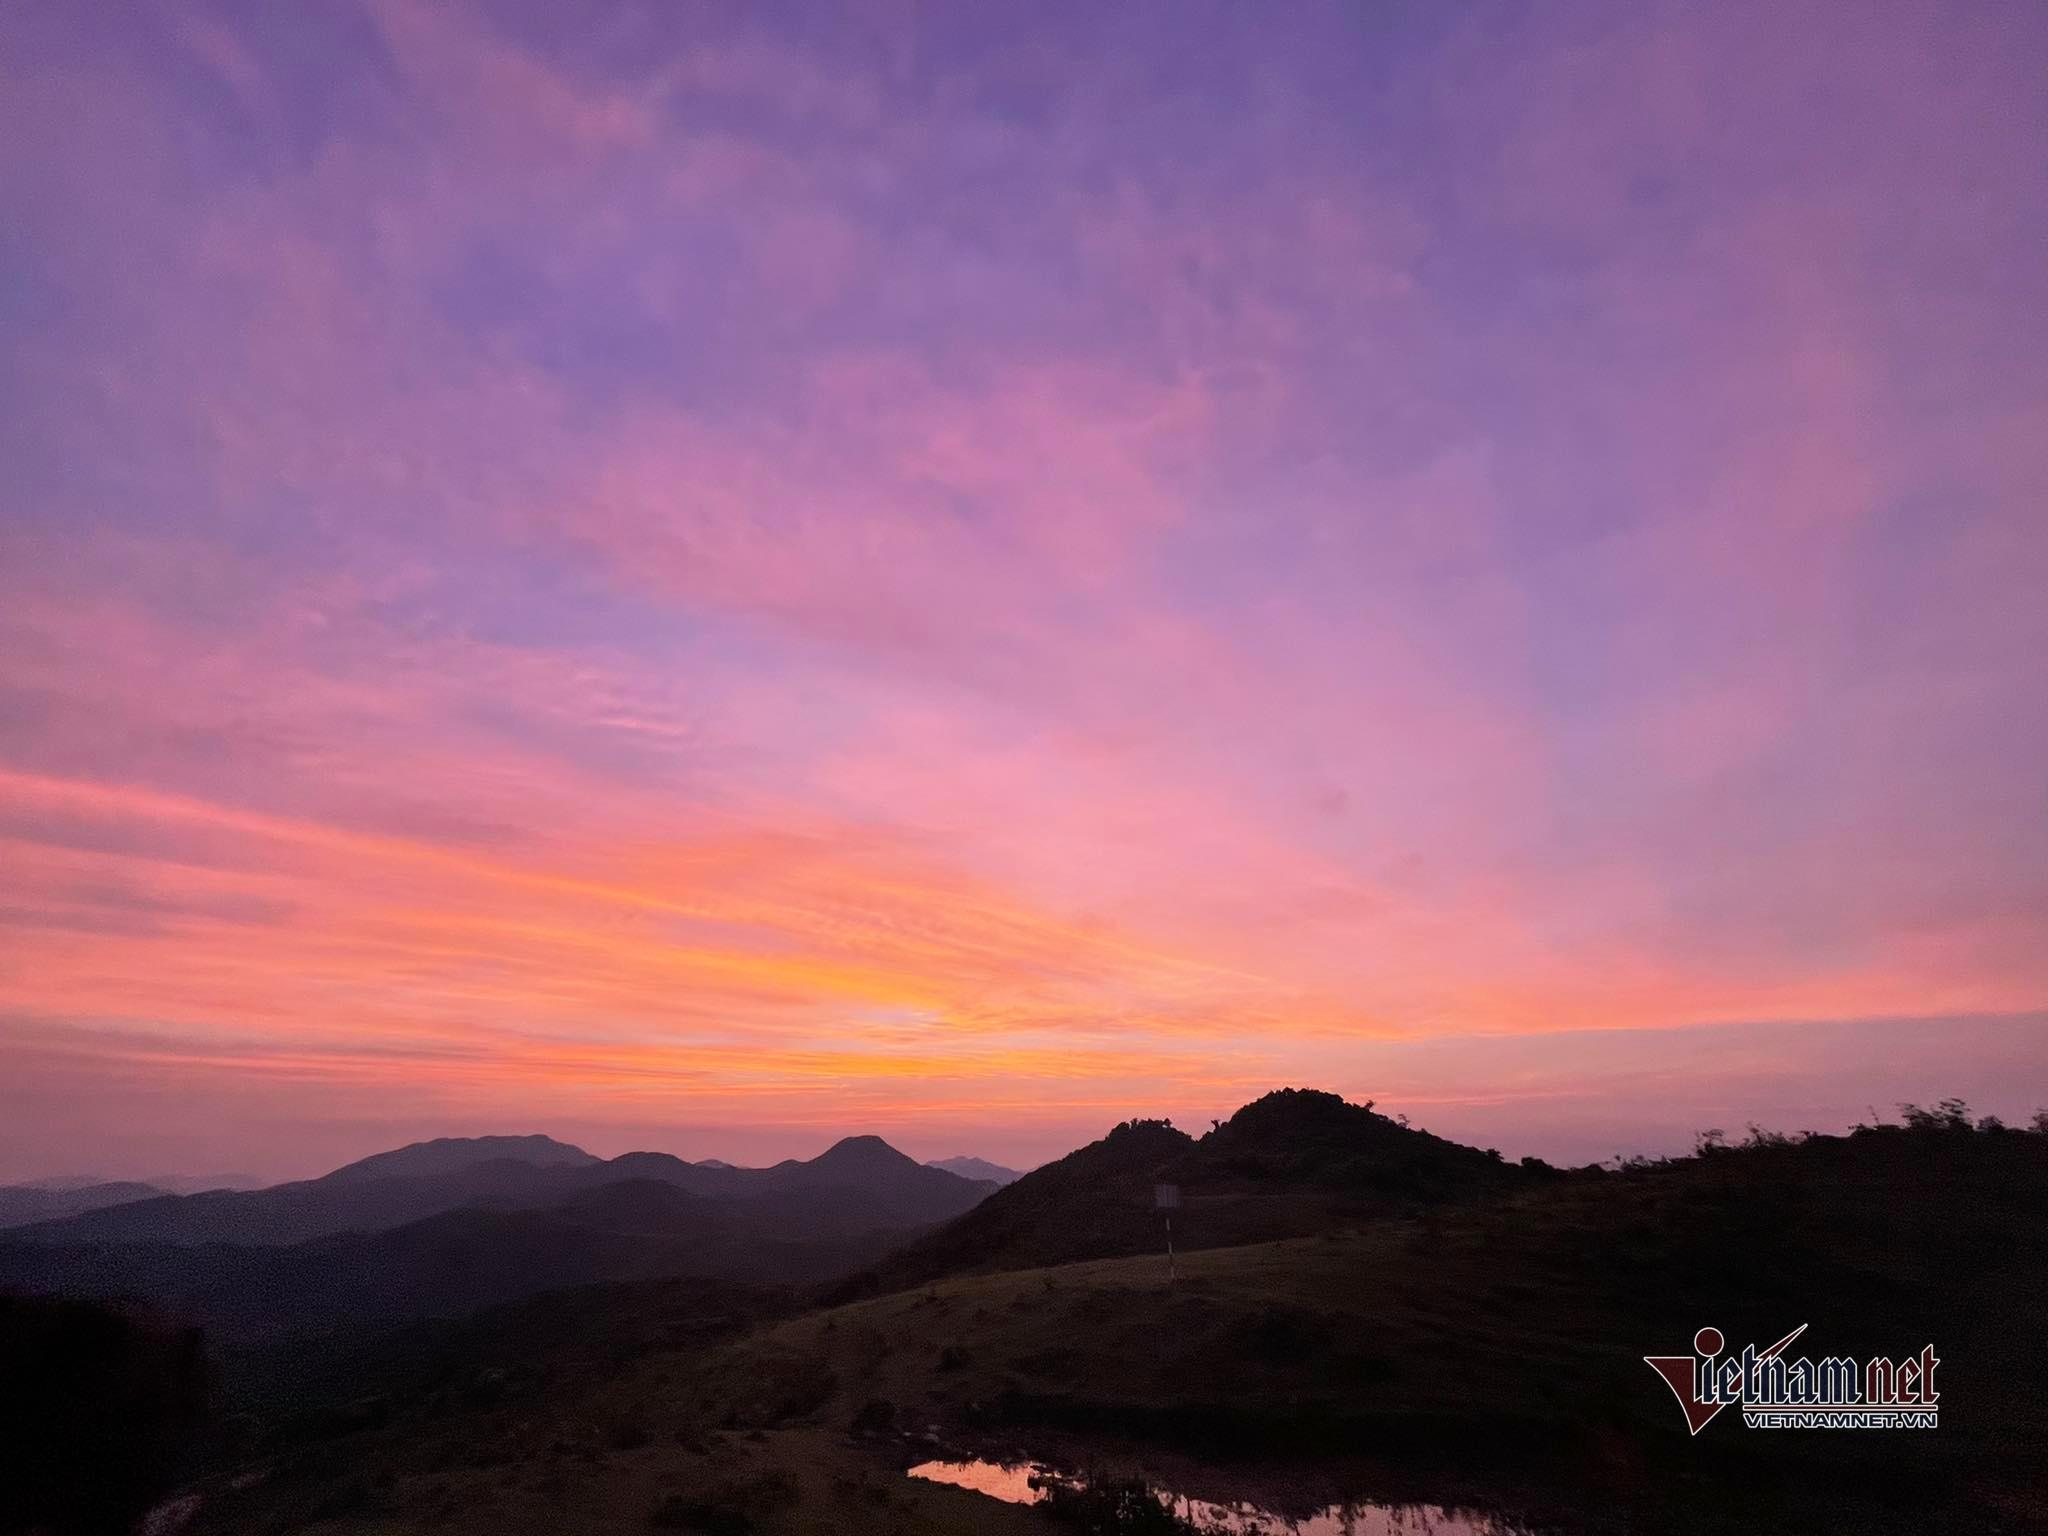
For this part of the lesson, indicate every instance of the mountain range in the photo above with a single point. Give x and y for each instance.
(440, 1227)
(443, 1227)
(68, 1195)
(875, 1187)
(647, 1342)
(21, 1204)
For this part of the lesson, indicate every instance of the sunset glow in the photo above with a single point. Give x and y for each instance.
(704, 578)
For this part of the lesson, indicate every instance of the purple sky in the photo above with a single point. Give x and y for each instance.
(708, 576)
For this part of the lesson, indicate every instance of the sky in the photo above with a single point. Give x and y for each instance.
(708, 577)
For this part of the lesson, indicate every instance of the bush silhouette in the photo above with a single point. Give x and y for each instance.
(98, 1406)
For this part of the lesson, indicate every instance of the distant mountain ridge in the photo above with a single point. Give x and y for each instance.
(53, 1199)
(976, 1168)
(442, 1227)
(452, 1154)
(196, 1183)
(876, 1187)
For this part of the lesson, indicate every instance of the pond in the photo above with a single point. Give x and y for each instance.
(1030, 1482)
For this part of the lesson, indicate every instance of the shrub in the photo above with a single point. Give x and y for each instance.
(1948, 1115)
(1115, 1508)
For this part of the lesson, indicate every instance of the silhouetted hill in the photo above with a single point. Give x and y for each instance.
(880, 1173)
(699, 1178)
(977, 1168)
(859, 1182)
(1302, 1136)
(853, 1155)
(24, 1203)
(1292, 1163)
(453, 1154)
(1094, 1200)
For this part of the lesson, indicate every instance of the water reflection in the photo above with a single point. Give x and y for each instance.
(1028, 1482)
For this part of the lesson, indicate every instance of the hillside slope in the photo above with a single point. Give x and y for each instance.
(1291, 1163)
(459, 1260)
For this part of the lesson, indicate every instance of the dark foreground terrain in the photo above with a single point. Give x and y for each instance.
(1433, 1330)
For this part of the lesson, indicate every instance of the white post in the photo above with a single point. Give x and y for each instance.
(1165, 1199)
